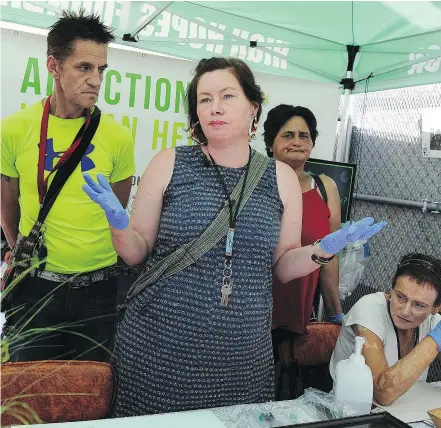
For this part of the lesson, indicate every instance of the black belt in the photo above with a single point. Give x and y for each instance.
(85, 279)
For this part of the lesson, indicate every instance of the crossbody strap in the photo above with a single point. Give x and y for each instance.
(189, 253)
(23, 250)
(66, 170)
(321, 187)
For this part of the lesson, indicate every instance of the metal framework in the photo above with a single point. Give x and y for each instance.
(425, 205)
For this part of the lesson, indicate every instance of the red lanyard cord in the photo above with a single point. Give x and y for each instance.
(42, 182)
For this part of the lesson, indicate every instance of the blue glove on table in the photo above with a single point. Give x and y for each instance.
(363, 229)
(102, 194)
(435, 334)
(336, 319)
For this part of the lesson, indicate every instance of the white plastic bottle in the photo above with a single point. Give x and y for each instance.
(353, 380)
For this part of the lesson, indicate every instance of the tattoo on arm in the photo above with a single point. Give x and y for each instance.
(8, 179)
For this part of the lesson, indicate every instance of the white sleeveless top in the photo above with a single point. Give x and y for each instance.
(371, 312)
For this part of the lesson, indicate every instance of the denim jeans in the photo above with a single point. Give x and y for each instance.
(78, 320)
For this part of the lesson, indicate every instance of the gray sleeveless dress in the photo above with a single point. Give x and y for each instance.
(177, 348)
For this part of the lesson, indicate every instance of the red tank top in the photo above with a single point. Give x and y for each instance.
(292, 302)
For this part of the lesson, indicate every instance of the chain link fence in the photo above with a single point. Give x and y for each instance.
(386, 146)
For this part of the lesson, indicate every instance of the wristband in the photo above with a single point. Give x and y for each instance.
(336, 318)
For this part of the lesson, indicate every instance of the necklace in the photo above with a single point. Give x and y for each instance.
(413, 336)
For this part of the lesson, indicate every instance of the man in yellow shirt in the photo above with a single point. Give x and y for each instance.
(76, 233)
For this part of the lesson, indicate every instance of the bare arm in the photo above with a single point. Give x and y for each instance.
(10, 208)
(122, 190)
(135, 242)
(392, 382)
(290, 259)
(329, 279)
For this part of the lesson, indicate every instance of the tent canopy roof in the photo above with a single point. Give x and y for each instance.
(397, 43)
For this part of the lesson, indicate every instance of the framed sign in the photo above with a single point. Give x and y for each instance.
(344, 176)
(431, 132)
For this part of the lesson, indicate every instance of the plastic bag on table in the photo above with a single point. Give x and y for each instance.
(352, 263)
(282, 413)
(313, 406)
(327, 405)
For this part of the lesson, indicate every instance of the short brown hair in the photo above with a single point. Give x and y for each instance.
(423, 269)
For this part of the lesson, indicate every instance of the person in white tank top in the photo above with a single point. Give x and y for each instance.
(402, 328)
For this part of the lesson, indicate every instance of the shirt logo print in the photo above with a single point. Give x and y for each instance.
(86, 163)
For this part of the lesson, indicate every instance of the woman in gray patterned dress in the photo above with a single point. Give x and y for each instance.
(178, 347)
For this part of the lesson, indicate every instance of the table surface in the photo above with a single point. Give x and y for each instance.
(240, 416)
(422, 424)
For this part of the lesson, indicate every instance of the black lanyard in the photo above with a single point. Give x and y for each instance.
(233, 212)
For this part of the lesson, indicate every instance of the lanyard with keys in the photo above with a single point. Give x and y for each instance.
(227, 281)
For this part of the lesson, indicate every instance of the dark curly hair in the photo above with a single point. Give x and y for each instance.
(243, 74)
(73, 26)
(278, 116)
(423, 269)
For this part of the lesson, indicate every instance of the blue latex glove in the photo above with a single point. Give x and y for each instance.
(336, 319)
(435, 334)
(102, 194)
(363, 229)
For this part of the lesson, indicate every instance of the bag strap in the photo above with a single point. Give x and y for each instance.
(66, 170)
(321, 187)
(24, 248)
(189, 253)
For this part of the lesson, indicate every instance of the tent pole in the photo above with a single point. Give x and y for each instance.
(260, 22)
(348, 137)
(402, 65)
(341, 145)
(130, 37)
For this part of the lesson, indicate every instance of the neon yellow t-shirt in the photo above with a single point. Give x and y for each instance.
(77, 232)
